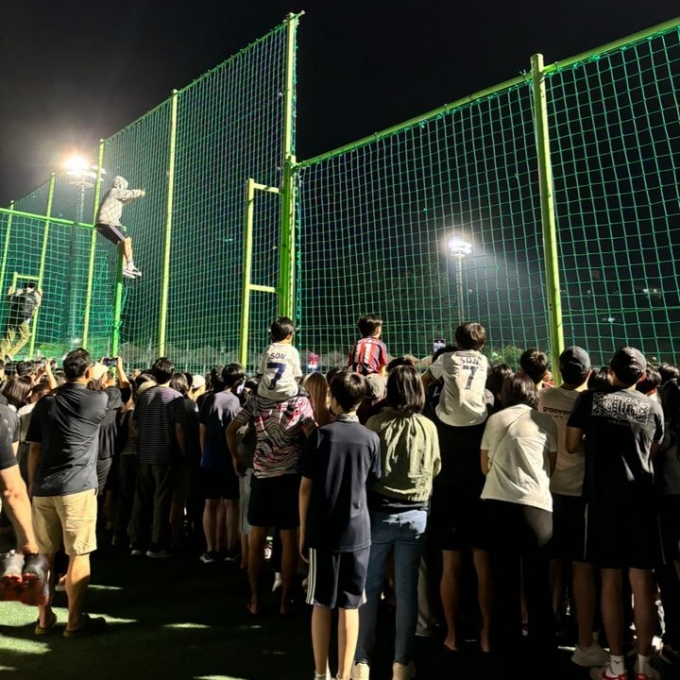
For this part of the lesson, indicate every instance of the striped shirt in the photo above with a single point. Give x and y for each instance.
(156, 413)
(368, 355)
(280, 436)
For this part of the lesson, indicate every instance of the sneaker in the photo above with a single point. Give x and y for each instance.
(603, 674)
(670, 655)
(231, 556)
(128, 274)
(134, 271)
(136, 552)
(652, 675)
(360, 671)
(402, 671)
(209, 557)
(158, 554)
(590, 657)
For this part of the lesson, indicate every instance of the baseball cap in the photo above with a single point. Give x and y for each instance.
(629, 365)
(375, 386)
(574, 364)
(197, 381)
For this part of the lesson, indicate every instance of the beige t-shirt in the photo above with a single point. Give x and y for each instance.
(567, 480)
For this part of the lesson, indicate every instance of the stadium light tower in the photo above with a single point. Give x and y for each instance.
(459, 249)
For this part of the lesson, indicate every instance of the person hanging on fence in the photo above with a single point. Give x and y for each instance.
(23, 303)
(107, 221)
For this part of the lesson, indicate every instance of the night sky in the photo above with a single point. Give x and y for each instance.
(73, 72)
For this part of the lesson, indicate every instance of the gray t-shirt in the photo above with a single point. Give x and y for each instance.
(67, 424)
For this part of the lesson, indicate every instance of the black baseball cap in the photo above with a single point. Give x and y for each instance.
(629, 365)
(29, 284)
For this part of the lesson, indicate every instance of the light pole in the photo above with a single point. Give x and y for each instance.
(459, 248)
(82, 174)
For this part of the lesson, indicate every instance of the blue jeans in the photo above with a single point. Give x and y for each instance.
(405, 533)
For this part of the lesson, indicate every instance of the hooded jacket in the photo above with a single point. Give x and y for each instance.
(111, 207)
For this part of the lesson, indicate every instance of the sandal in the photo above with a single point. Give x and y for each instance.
(89, 626)
(49, 628)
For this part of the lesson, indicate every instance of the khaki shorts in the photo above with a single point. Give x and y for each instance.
(71, 519)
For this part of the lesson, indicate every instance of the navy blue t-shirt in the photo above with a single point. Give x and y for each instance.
(67, 424)
(340, 459)
(217, 411)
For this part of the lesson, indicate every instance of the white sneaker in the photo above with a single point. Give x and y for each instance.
(136, 552)
(360, 671)
(128, 274)
(278, 582)
(590, 657)
(133, 270)
(402, 671)
(158, 554)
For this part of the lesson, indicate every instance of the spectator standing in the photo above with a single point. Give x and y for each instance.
(159, 418)
(63, 441)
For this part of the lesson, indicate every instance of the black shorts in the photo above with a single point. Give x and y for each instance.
(274, 502)
(623, 535)
(568, 541)
(111, 232)
(337, 579)
(457, 517)
(216, 484)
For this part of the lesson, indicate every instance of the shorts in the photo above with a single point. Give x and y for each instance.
(337, 579)
(624, 535)
(220, 484)
(457, 517)
(568, 541)
(71, 519)
(274, 502)
(111, 232)
(244, 499)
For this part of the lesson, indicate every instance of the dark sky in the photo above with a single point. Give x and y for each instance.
(73, 72)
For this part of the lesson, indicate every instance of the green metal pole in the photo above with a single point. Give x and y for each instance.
(93, 247)
(247, 269)
(43, 257)
(5, 249)
(286, 287)
(545, 178)
(117, 306)
(165, 283)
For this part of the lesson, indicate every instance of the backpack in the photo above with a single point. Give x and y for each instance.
(23, 306)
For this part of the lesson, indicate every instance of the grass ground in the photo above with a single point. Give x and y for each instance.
(179, 619)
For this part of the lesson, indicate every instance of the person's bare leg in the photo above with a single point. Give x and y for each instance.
(321, 638)
(258, 536)
(484, 595)
(289, 563)
(449, 590)
(348, 634)
(231, 523)
(642, 585)
(210, 524)
(77, 580)
(127, 249)
(245, 547)
(612, 609)
(45, 611)
(585, 594)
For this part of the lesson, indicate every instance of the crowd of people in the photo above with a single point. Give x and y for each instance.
(369, 480)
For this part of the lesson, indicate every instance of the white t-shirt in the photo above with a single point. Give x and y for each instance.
(567, 479)
(518, 440)
(279, 368)
(463, 400)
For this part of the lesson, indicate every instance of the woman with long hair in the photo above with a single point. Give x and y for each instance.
(317, 387)
(398, 508)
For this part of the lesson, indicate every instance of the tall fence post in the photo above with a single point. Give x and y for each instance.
(545, 179)
(43, 257)
(287, 258)
(5, 248)
(165, 282)
(247, 270)
(93, 248)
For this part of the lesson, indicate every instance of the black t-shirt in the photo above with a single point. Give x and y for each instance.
(11, 419)
(340, 459)
(620, 427)
(7, 458)
(192, 430)
(109, 429)
(67, 425)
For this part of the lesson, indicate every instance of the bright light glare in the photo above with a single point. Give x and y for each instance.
(77, 163)
(459, 246)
